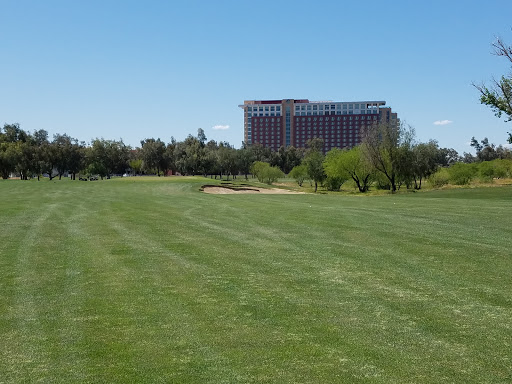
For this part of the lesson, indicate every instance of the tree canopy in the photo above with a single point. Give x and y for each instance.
(498, 96)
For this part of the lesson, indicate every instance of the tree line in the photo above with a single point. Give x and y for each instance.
(388, 157)
(30, 155)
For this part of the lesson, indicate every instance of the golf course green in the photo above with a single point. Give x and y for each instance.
(150, 280)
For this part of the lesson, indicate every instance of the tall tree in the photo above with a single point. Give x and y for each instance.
(48, 158)
(448, 156)
(188, 155)
(63, 145)
(287, 157)
(314, 162)
(12, 141)
(108, 157)
(245, 158)
(349, 164)
(381, 147)
(227, 159)
(39, 142)
(425, 161)
(152, 154)
(499, 95)
(260, 152)
(486, 151)
(8, 158)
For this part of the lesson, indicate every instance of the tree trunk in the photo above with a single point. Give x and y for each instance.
(359, 185)
(316, 186)
(393, 183)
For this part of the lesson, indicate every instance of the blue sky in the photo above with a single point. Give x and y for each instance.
(133, 69)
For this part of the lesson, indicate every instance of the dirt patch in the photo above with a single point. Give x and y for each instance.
(254, 190)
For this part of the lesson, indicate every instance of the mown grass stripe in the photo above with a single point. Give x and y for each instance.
(146, 280)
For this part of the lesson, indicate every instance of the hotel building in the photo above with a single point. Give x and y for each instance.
(276, 123)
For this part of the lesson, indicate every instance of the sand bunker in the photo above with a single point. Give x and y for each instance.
(225, 191)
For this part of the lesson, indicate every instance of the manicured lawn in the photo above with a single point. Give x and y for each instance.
(150, 280)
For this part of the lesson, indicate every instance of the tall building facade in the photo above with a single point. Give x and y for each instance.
(290, 122)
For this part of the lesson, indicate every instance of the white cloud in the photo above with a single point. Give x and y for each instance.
(220, 127)
(442, 122)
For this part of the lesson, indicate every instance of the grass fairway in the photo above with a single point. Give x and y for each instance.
(150, 280)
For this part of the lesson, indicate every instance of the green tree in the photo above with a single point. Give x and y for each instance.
(227, 157)
(448, 156)
(189, 155)
(314, 164)
(299, 173)
(349, 164)
(49, 156)
(266, 173)
(63, 147)
(135, 165)
(40, 143)
(426, 160)
(315, 144)
(287, 157)
(260, 152)
(499, 95)
(25, 158)
(152, 154)
(12, 150)
(245, 158)
(381, 148)
(8, 158)
(108, 157)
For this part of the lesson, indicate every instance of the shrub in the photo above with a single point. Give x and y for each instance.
(507, 164)
(461, 173)
(381, 181)
(265, 173)
(440, 178)
(498, 168)
(299, 173)
(486, 169)
(334, 183)
(257, 167)
(502, 168)
(271, 174)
